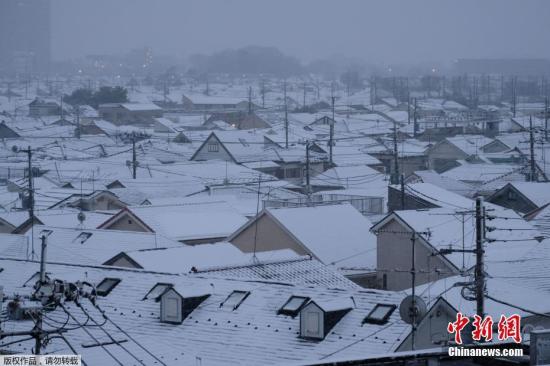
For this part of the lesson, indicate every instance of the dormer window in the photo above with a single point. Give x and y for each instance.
(380, 314)
(157, 291)
(235, 299)
(293, 305)
(318, 318)
(175, 307)
(82, 237)
(106, 286)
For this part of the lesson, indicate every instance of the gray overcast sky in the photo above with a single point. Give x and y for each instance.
(399, 31)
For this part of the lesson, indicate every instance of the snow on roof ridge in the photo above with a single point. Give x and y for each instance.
(256, 264)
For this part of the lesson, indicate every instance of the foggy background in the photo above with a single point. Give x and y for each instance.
(381, 31)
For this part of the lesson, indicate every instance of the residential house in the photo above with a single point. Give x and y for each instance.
(195, 258)
(240, 120)
(40, 108)
(522, 197)
(206, 103)
(429, 231)
(191, 223)
(142, 114)
(450, 184)
(445, 154)
(6, 132)
(333, 234)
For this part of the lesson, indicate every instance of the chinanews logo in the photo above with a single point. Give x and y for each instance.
(508, 327)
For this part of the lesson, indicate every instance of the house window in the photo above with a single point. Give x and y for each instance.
(171, 307)
(512, 196)
(235, 299)
(213, 147)
(380, 314)
(106, 286)
(311, 322)
(157, 291)
(293, 305)
(293, 173)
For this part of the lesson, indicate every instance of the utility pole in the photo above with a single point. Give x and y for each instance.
(546, 118)
(249, 100)
(134, 160)
(402, 191)
(308, 187)
(532, 176)
(415, 118)
(479, 274)
(408, 108)
(61, 111)
(304, 95)
(413, 289)
(514, 95)
(30, 183)
(286, 115)
(395, 175)
(262, 90)
(331, 139)
(78, 131)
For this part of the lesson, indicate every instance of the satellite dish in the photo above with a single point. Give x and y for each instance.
(15, 148)
(408, 311)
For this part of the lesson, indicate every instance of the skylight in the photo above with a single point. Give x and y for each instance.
(380, 314)
(106, 286)
(293, 305)
(82, 237)
(157, 290)
(235, 299)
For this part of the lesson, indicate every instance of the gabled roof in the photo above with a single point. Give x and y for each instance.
(192, 220)
(537, 193)
(124, 213)
(442, 228)
(331, 233)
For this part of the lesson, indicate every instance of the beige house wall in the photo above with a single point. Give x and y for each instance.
(269, 236)
(394, 259)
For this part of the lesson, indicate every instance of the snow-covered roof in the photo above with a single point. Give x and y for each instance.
(135, 107)
(83, 246)
(450, 184)
(333, 233)
(443, 228)
(187, 258)
(198, 220)
(252, 334)
(538, 193)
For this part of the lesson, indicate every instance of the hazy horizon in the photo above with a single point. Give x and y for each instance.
(376, 31)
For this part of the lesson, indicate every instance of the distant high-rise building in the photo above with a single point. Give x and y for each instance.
(25, 36)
